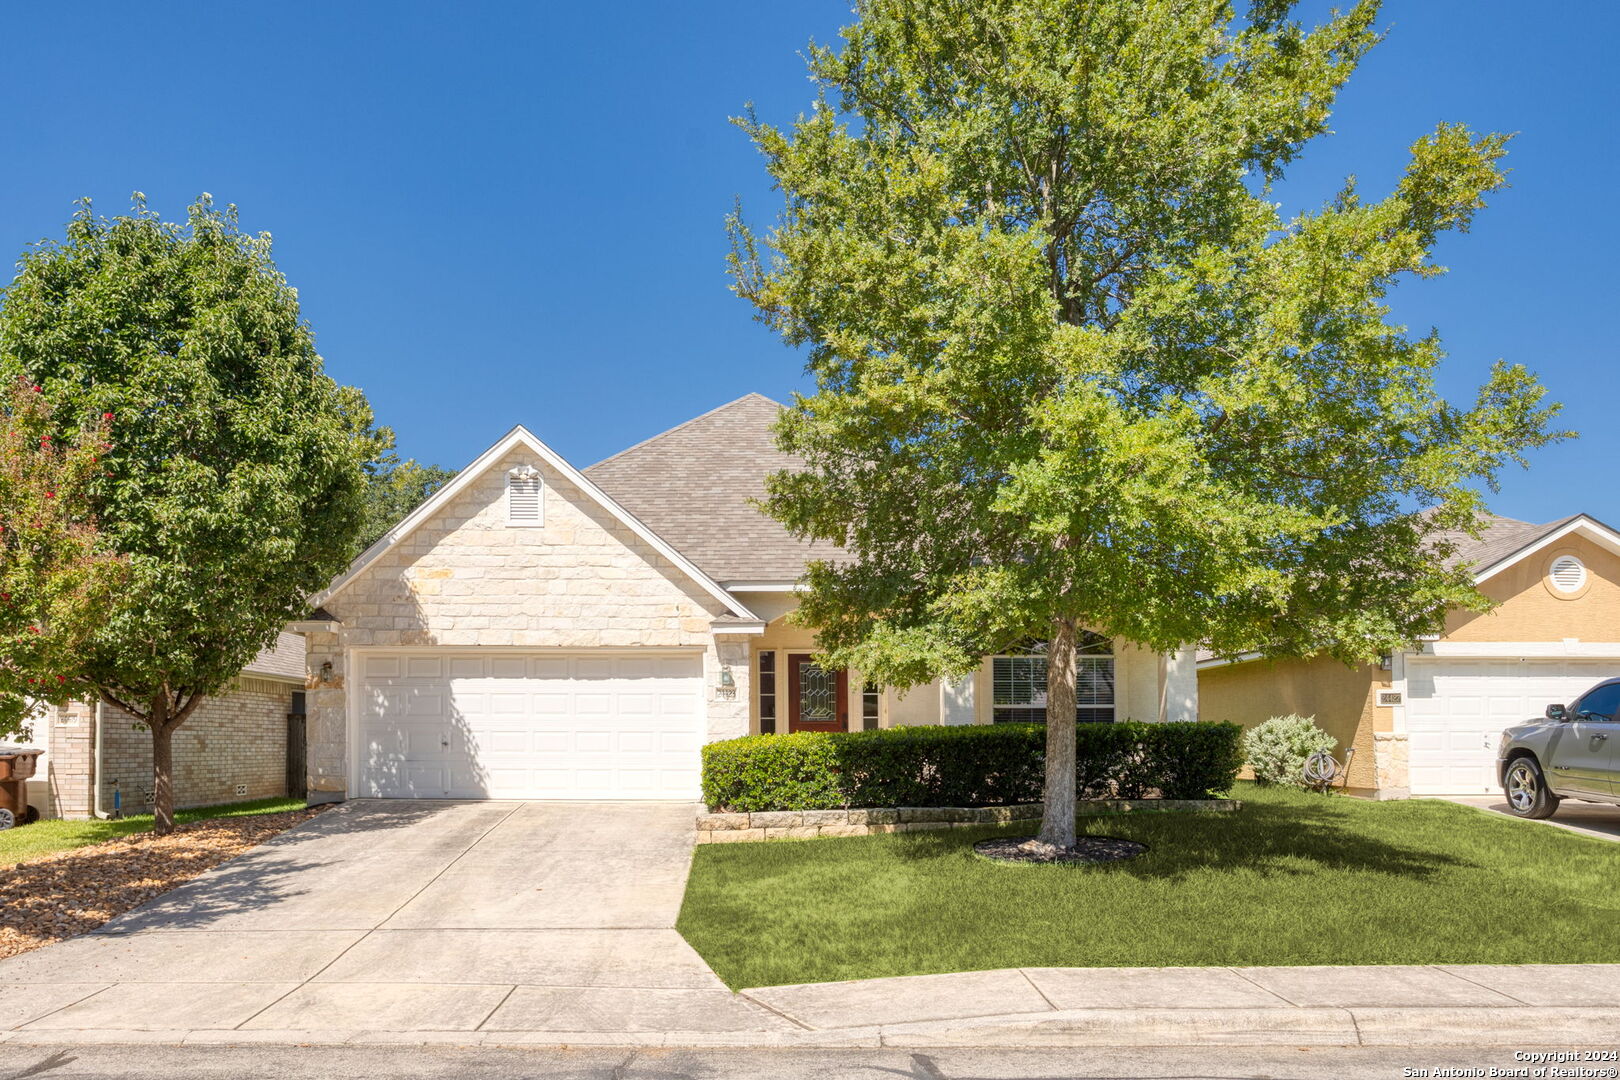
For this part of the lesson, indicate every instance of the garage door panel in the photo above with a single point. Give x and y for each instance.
(530, 726)
(1456, 709)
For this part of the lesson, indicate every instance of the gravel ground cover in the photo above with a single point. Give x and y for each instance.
(67, 893)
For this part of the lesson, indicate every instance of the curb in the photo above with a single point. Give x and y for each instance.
(1116, 1028)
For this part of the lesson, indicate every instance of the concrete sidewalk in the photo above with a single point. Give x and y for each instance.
(553, 924)
(1517, 1006)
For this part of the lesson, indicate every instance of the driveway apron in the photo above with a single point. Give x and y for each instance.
(411, 916)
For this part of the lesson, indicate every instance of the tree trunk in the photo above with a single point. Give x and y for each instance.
(1057, 819)
(162, 777)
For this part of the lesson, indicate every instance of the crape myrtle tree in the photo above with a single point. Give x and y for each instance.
(234, 487)
(56, 576)
(1073, 370)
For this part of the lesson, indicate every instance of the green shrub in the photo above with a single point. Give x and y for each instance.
(974, 765)
(1276, 750)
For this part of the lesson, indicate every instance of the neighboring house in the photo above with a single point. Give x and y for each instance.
(534, 631)
(232, 748)
(1427, 721)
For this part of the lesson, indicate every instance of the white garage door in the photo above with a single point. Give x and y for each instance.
(436, 725)
(1456, 710)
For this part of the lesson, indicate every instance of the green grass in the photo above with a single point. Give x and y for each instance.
(25, 842)
(1292, 878)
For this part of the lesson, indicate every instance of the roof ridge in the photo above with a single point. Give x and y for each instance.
(682, 426)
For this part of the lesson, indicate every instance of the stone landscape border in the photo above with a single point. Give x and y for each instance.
(810, 824)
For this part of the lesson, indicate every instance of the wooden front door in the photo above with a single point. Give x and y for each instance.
(818, 699)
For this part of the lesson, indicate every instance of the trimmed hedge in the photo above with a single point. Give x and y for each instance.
(974, 765)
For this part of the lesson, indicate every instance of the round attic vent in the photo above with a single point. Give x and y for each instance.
(1567, 574)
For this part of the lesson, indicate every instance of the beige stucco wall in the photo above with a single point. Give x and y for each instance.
(1528, 611)
(464, 578)
(1342, 699)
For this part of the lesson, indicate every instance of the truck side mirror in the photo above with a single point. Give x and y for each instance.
(1557, 712)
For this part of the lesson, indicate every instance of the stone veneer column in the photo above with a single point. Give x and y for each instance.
(1392, 756)
(728, 712)
(326, 713)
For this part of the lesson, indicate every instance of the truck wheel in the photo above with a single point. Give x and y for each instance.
(1526, 790)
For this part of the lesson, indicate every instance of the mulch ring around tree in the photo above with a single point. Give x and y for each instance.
(1030, 851)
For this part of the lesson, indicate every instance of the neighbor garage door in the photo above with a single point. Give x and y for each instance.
(438, 725)
(1456, 710)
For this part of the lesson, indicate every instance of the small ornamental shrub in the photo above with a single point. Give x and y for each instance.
(1276, 750)
(974, 765)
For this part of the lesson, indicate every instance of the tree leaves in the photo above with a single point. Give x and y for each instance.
(1071, 364)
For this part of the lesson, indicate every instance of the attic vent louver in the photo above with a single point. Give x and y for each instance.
(1568, 574)
(524, 506)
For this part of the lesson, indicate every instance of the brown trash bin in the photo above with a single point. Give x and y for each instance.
(16, 766)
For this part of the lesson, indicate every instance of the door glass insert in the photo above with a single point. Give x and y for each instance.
(818, 694)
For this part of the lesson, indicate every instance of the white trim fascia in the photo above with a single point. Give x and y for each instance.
(521, 436)
(1592, 529)
(765, 586)
(725, 631)
(1514, 650)
(314, 626)
(273, 676)
(1217, 661)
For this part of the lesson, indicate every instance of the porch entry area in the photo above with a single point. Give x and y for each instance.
(797, 694)
(792, 693)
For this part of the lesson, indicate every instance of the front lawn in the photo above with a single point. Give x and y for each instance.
(24, 842)
(1292, 878)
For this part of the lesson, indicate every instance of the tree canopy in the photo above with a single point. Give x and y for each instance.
(1072, 366)
(235, 487)
(394, 488)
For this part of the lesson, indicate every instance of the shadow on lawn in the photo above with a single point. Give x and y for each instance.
(1267, 839)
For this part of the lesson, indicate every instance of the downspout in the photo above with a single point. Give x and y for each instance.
(97, 810)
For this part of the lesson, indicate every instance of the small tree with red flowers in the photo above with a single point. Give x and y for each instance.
(56, 576)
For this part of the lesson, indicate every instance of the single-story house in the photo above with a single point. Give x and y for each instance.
(1427, 721)
(243, 744)
(538, 631)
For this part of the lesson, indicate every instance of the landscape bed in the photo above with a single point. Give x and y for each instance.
(1292, 878)
(56, 883)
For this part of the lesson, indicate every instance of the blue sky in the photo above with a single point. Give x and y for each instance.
(512, 213)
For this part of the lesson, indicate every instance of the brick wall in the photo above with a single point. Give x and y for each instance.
(69, 760)
(237, 738)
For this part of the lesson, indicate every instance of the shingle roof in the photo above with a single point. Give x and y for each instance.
(285, 658)
(1498, 538)
(692, 485)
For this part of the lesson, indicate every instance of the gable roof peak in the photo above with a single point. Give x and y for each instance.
(753, 397)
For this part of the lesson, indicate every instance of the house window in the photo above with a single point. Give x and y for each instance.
(1018, 682)
(767, 693)
(870, 696)
(524, 505)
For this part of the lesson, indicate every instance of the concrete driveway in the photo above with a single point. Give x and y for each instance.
(407, 916)
(1598, 820)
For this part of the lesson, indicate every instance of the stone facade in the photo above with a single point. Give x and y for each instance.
(1392, 756)
(811, 824)
(465, 578)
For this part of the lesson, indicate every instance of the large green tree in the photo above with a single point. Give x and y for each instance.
(1075, 371)
(56, 574)
(394, 488)
(235, 487)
